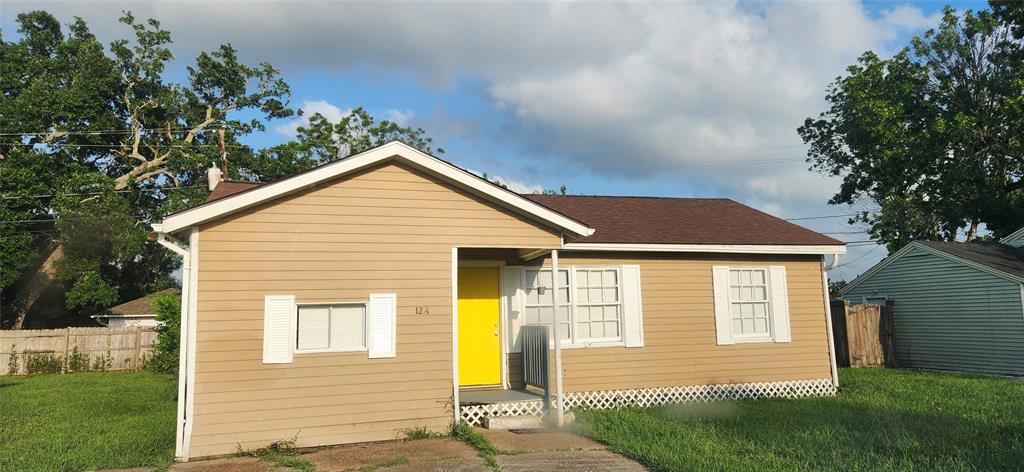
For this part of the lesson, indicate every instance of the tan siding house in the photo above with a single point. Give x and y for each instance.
(391, 290)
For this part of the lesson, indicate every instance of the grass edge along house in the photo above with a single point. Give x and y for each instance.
(391, 290)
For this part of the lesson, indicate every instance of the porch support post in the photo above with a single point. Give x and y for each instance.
(559, 393)
(457, 415)
(828, 317)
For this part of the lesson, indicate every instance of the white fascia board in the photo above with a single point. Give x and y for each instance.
(402, 152)
(717, 248)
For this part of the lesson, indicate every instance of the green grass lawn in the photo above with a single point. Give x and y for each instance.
(86, 421)
(880, 420)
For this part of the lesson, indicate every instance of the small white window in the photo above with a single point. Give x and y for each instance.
(598, 306)
(749, 306)
(331, 327)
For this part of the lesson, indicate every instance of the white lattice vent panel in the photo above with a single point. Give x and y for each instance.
(699, 393)
(473, 414)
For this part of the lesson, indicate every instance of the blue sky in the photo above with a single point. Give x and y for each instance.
(690, 99)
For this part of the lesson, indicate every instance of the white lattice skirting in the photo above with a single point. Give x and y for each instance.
(473, 414)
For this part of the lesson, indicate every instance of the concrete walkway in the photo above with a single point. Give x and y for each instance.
(521, 452)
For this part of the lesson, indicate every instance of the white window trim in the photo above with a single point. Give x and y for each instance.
(773, 336)
(366, 328)
(573, 342)
(750, 338)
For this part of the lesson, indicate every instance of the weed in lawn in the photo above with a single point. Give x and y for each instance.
(467, 434)
(421, 432)
(282, 453)
(394, 461)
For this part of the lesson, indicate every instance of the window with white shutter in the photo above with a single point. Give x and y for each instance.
(331, 328)
(751, 304)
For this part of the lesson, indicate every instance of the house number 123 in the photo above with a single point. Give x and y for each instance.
(423, 310)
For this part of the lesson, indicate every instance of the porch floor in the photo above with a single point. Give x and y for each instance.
(484, 397)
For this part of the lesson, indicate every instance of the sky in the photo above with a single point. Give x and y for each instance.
(681, 99)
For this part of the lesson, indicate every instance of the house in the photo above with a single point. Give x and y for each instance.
(391, 290)
(138, 313)
(957, 306)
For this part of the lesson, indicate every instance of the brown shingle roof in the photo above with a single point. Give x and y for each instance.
(997, 256)
(659, 220)
(228, 188)
(141, 306)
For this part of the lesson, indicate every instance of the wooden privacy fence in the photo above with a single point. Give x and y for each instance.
(74, 349)
(863, 334)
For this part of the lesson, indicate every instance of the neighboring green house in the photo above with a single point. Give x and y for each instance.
(958, 306)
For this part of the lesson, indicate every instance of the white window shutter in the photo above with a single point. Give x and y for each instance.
(512, 281)
(720, 281)
(633, 319)
(383, 307)
(278, 328)
(780, 304)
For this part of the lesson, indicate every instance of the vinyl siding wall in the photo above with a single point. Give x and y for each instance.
(679, 329)
(950, 316)
(385, 230)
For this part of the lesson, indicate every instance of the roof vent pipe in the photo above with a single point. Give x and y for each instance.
(213, 176)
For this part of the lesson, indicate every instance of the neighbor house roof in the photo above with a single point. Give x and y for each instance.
(994, 255)
(660, 220)
(140, 306)
(995, 258)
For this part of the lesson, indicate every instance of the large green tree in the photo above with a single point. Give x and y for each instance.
(931, 137)
(96, 143)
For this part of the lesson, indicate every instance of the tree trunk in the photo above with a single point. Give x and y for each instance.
(972, 232)
(33, 286)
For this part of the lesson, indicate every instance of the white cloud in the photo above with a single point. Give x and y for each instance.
(613, 90)
(309, 108)
(513, 185)
(402, 117)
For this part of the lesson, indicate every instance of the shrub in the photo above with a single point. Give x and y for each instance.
(12, 362)
(164, 358)
(43, 363)
(78, 362)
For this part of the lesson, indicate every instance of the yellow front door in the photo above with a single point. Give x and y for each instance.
(479, 316)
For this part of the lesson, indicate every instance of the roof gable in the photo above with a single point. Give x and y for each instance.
(396, 151)
(996, 259)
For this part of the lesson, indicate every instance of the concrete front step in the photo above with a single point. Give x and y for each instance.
(512, 422)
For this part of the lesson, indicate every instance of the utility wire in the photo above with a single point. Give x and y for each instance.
(99, 193)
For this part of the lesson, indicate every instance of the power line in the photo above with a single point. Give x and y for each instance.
(100, 193)
(112, 131)
(822, 217)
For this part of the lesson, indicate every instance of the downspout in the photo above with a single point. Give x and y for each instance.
(559, 392)
(828, 315)
(186, 276)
